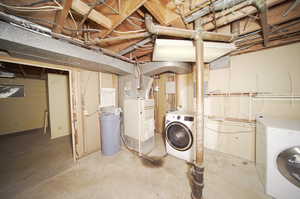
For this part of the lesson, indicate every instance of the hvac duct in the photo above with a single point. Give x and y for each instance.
(154, 68)
(26, 44)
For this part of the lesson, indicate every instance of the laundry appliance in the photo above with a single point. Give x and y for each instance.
(278, 157)
(179, 128)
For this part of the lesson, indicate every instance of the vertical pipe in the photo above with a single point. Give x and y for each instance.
(199, 97)
(198, 169)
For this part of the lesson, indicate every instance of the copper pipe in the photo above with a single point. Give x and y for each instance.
(184, 33)
(118, 38)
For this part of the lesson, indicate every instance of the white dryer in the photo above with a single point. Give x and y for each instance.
(179, 135)
(278, 157)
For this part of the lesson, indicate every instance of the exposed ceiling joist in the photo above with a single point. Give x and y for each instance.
(94, 15)
(163, 14)
(128, 7)
(61, 16)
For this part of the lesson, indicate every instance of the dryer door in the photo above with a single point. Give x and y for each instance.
(179, 136)
(288, 162)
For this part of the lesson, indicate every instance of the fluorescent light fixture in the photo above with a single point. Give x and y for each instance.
(184, 50)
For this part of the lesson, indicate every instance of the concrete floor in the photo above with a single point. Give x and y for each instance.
(27, 158)
(125, 176)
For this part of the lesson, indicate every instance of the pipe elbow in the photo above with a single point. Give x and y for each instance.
(150, 27)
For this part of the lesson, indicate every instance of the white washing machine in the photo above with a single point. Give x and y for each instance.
(179, 135)
(278, 157)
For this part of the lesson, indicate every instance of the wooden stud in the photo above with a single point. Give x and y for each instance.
(61, 16)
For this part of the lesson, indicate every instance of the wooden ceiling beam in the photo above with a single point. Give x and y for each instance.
(127, 9)
(163, 13)
(61, 16)
(83, 9)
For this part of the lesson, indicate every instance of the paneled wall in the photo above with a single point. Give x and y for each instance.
(87, 89)
(23, 113)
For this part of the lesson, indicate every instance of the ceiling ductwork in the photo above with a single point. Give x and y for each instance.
(21, 43)
(155, 68)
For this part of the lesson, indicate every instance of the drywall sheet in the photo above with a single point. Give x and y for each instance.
(23, 113)
(59, 106)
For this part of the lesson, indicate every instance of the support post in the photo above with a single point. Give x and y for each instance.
(198, 169)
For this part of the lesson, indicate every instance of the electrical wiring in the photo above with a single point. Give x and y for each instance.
(36, 3)
(73, 19)
(31, 9)
(130, 31)
(55, 1)
(65, 28)
(136, 18)
(132, 23)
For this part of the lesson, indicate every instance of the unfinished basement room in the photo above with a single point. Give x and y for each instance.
(152, 99)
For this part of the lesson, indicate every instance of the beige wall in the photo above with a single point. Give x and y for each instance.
(87, 90)
(274, 71)
(59, 106)
(20, 114)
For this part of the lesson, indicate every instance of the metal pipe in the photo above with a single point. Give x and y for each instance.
(198, 169)
(135, 46)
(216, 6)
(184, 33)
(118, 38)
(199, 97)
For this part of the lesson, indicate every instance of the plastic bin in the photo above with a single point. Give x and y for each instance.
(110, 133)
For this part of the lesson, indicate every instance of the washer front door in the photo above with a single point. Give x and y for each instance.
(179, 136)
(288, 162)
